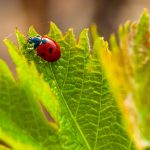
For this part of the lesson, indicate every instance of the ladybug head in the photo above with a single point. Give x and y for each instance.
(35, 41)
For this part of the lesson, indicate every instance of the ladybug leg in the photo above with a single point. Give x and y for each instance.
(40, 59)
(29, 49)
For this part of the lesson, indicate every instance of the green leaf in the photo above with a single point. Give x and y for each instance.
(94, 32)
(32, 32)
(21, 39)
(70, 38)
(128, 71)
(89, 118)
(54, 33)
(23, 124)
(10, 123)
(142, 70)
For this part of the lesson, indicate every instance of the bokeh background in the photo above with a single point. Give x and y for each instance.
(107, 14)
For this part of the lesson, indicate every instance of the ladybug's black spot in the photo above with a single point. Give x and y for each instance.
(50, 50)
(43, 54)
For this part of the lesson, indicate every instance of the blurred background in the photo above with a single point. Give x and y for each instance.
(107, 14)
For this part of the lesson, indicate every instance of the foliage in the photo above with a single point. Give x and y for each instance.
(128, 73)
(71, 104)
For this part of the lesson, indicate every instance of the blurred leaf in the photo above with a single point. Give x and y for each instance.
(32, 32)
(94, 32)
(23, 124)
(142, 71)
(128, 73)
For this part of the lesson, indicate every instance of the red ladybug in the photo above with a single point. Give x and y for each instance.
(46, 48)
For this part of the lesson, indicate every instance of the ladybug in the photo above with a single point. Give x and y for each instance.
(46, 48)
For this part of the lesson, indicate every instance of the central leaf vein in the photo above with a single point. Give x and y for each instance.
(73, 118)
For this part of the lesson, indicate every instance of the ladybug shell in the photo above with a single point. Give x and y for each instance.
(49, 50)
